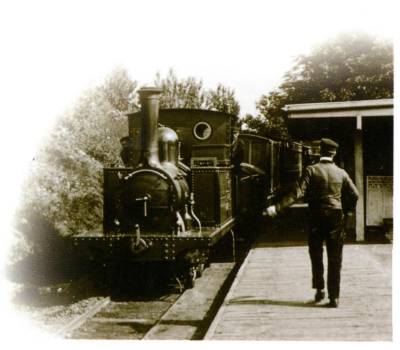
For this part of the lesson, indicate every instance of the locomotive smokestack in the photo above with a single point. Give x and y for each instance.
(149, 100)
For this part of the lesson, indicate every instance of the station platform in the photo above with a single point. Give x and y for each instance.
(271, 297)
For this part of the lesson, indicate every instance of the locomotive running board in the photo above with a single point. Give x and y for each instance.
(218, 232)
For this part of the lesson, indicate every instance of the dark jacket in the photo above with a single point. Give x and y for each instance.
(325, 186)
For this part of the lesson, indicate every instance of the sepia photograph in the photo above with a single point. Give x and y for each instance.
(204, 171)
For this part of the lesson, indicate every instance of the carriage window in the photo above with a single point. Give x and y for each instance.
(202, 131)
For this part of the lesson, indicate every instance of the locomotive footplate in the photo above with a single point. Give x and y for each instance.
(191, 247)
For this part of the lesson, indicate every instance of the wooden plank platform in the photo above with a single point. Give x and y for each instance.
(189, 317)
(271, 298)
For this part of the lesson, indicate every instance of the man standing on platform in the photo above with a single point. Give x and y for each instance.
(326, 188)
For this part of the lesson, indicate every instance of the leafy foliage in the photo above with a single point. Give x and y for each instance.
(120, 91)
(222, 99)
(189, 93)
(185, 93)
(98, 120)
(255, 124)
(64, 190)
(348, 67)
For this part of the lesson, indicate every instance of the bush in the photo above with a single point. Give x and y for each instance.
(62, 195)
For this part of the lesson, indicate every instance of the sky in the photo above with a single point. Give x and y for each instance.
(58, 48)
(51, 51)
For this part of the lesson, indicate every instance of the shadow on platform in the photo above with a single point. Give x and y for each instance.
(249, 301)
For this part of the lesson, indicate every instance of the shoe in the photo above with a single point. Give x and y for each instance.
(319, 295)
(333, 302)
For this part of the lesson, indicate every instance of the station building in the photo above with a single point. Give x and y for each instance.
(364, 131)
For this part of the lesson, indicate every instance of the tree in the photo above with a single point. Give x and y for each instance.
(255, 124)
(64, 189)
(348, 67)
(189, 93)
(120, 90)
(98, 119)
(222, 99)
(184, 93)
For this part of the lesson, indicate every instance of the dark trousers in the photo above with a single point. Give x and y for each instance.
(326, 225)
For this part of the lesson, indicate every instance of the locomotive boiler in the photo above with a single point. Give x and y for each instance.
(155, 194)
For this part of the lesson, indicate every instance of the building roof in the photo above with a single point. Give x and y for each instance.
(364, 108)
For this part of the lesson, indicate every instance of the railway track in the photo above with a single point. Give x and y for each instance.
(168, 316)
(70, 327)
(113, 319)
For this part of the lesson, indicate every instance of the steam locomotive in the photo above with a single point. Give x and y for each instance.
(187, 182)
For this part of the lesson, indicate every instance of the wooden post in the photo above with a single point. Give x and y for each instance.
(359, 180)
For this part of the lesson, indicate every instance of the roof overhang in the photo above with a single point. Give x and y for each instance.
(333, 119)
(364, 108)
